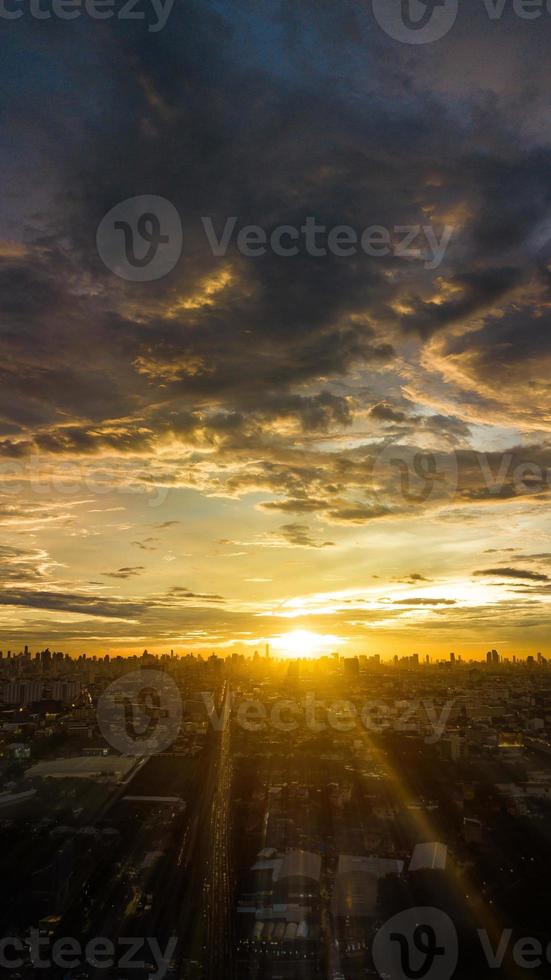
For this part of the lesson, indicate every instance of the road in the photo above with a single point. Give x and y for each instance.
(217, 889)
(205, 917)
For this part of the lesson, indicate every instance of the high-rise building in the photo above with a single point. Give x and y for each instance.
(351, 666)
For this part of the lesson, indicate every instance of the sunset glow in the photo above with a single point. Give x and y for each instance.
(304, 643)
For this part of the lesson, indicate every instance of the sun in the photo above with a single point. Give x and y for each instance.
(303, 643)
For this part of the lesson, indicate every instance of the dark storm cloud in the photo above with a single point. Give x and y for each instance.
(524, 330)
(384, 412)
(315, 413)
(319, 149)
(477, 291)
(507, 360)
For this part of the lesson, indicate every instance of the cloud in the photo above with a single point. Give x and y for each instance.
(22, 565)
(179, 592)
(71, 603)
(516, 573)
(147, 544)
(384, 412)
(300, 536)
(129, 572)
(424, 602)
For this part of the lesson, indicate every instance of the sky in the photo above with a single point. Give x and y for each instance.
(321, 451)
